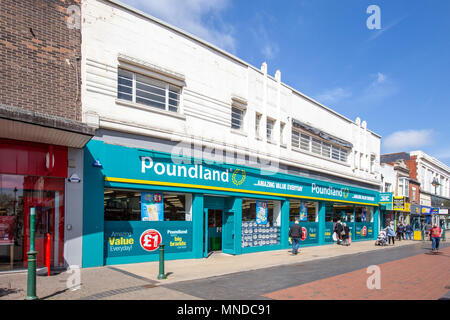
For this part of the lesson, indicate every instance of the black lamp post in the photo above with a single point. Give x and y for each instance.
(435, 184)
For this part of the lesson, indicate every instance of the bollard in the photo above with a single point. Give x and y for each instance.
(161, 274)
(48, 253)
(31, 277)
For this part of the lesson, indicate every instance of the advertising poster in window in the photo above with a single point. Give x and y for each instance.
(136, 238)
(261, 212)
(152, 207)
(364, 215)
(303, 211)
(6, 230)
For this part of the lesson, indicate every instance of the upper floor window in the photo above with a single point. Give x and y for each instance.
(237, 118)
(270, 125)
(317, 146)
(387, 187)
(148, 91)
(403, 187)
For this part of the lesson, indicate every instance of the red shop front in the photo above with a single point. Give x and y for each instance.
(31, 175)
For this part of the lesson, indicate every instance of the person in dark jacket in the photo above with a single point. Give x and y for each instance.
(338, 228)
(295, 233)
(346, 235)
(408, 231)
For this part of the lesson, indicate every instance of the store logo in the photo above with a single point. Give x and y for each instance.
(346, 192)
(304, 234)
(175, 170)
(150, 240)
(243, 176)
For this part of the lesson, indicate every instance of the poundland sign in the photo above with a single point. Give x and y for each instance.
(158, 169)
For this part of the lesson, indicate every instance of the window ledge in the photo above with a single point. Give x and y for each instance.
(242, 133)
(152, 109)
(283, 145)
(271, 142)
(258, 138)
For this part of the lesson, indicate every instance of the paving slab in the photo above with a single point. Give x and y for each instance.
(139, 281)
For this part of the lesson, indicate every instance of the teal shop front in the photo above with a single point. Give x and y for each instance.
(136, 199)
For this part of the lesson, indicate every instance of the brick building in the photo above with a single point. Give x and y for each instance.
(41, 134)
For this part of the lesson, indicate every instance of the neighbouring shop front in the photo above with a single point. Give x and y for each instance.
(136, 199)
(32, 175)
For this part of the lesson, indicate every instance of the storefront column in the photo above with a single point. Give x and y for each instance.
(284, 236)
(197, 225)
(93, 213)
(321, 223)
(354, 223)
(376, 222)
(236, 207)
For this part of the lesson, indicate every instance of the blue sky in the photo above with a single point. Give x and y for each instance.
(396, 78)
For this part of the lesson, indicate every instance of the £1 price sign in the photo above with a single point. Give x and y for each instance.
(150, 240)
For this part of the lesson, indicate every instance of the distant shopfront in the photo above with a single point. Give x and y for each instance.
(31, 175)
(135, 199)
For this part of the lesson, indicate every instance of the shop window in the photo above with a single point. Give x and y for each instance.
(343, 212)
(18, 194)
(310, 207)
(122, 205)
(363, 214)
(254, 234)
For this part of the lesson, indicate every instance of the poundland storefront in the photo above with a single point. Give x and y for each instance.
(135, 199)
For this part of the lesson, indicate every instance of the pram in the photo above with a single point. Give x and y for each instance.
(382, 239)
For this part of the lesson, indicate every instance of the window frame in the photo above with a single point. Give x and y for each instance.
(301, 139)
(169, 88)
(242, 112)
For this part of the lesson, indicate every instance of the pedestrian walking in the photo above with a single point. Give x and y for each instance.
(391, 233)
(346, 235)
(339, 230)
(295, 233)
(435, 234)
(408, 231)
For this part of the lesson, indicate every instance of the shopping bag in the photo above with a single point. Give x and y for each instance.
(335, 238)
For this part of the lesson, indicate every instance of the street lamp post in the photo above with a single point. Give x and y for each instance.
(435, 184)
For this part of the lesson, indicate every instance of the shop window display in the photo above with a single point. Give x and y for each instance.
(311, 208)
(125, 205)
(260, 223)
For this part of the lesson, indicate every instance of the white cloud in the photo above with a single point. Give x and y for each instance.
(333, 95)
(199, 17)
(270, 50)
(381, 78)
(408, 140)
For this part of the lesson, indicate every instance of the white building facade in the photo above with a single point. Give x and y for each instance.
(151, 87)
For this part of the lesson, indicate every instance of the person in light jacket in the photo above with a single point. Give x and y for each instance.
(391, 233)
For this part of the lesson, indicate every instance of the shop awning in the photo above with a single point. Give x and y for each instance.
(25, 125)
